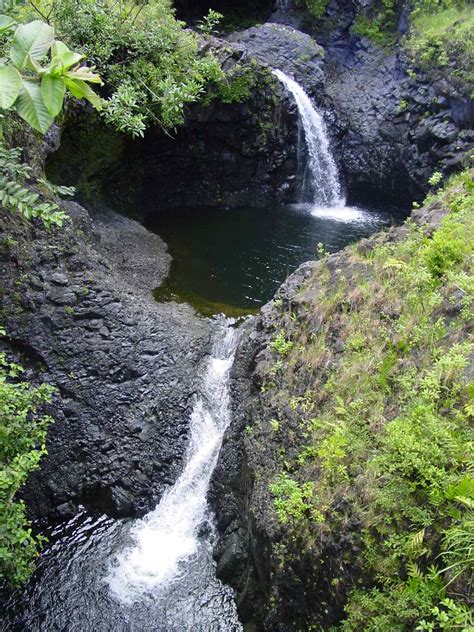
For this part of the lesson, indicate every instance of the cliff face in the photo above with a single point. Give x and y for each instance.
(391, 122)
(78, 312)
(236, 149)
(349, 436)
(391, 127)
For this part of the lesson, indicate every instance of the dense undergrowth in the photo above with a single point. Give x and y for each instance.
(22, 445)
(375, 361)
(152, 66)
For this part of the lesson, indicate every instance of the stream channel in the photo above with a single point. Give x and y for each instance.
(157, 573)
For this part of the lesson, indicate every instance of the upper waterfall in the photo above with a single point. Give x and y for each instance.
(320, 178)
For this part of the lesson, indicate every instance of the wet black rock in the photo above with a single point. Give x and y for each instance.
(283, 47)
(392, 130)
(79, 314)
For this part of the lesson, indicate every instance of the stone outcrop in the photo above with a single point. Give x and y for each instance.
(390, 130)
(79, 314)
(280, 587)
(393, 130)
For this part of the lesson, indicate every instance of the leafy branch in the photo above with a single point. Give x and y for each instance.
(37, 92)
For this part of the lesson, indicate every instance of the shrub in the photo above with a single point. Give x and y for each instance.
(22, 436)
(36, 90)
(150, 63)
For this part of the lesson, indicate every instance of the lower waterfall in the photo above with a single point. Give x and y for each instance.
(168, 536)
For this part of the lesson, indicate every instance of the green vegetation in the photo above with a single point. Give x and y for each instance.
(292, 501)
(208, 25)
(237, 86)
(22, 437)
(441, 33)
(384, 430)
(316, 8)
(16, 196)
(281, 344)
(444, 39)
(35, 91)
(150, 63)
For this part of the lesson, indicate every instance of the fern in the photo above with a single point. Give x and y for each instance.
(15, 196)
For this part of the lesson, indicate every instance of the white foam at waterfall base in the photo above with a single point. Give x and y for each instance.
(323, 187)
(168, 536)
(346, 214)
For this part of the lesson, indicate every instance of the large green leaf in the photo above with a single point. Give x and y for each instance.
(60, 52)
(33, 39)
(53, 90)
(10, 86)
(81, 90)
(6, 22)
(30, 106)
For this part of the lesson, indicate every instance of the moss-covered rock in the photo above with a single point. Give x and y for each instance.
(356, 454)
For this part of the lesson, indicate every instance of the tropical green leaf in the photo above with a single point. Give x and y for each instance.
(33, 39)
(10, 86)
(85, 74)
(81, 90)
(6, 22)
(33, 65)
(30, 106)
(53, 90)
(62, 54)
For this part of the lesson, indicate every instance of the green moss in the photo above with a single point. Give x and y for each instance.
(95, 157)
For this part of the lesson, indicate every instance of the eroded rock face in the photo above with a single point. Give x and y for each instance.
(226, 155)
(390, 130)
(393, 130)
(80, 315)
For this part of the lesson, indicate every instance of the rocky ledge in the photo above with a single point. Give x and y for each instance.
(79, 314)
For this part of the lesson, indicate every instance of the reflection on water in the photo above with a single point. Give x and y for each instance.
(234, 260)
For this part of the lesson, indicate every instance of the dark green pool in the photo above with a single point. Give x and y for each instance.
(232, 261)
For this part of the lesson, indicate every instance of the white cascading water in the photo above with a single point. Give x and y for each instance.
(322, 188)
(167, 536)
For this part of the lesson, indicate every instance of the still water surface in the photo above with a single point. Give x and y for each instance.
(234, 260)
